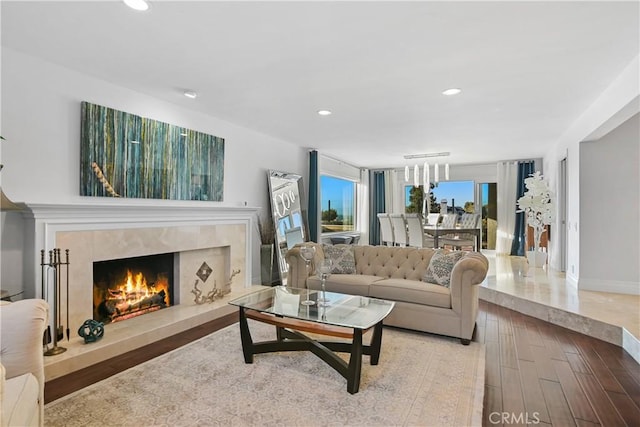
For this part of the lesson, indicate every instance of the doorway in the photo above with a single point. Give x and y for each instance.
(562, 213)
(488, 197)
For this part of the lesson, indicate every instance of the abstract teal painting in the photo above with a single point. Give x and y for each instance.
(125, 155)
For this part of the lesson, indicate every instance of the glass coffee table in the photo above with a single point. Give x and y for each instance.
(344, 316)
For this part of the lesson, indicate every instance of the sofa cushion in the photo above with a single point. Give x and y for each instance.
(353, 284)
(392, 262)
(411, 291)
(344, 262)
(20, 402)
(441, 265)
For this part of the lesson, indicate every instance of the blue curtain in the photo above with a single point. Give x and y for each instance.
(313, 196)
(376, 206)
(520, 231)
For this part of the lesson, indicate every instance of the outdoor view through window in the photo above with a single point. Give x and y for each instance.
(458, 194)
(337, 203)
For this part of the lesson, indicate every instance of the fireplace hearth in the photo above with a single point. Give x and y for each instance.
(130, 287)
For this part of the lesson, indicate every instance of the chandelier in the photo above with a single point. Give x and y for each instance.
(426, 173)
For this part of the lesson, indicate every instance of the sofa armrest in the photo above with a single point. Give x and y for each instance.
(297, 276)
(474, 265)
(22, 324)
(470, 271)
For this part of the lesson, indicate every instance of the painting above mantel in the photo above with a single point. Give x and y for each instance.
(125, 155)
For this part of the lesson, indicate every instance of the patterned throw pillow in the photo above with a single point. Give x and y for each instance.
(441, 265)
(344, 261)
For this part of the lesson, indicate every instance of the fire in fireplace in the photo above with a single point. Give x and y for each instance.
(129, 287)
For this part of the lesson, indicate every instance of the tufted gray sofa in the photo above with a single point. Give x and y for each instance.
(395, 273)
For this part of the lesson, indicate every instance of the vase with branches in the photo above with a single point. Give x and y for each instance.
(537, 204)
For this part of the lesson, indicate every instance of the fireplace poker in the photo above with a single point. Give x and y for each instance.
(46, 337)
(58, 262)
(66, 251)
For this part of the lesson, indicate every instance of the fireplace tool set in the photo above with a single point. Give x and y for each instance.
(55, 266)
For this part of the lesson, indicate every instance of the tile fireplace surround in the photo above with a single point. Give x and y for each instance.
(219, 236)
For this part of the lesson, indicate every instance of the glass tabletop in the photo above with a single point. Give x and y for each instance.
(350, 311)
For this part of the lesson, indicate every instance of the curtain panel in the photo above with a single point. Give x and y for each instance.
(362, 208)
(377, 204)
(507, 182)
(525, 169)
(314, 225)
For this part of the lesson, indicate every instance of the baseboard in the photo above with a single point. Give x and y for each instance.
(602, 285)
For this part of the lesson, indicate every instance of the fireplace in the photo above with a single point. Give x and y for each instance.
(130, 287)
(194, 232)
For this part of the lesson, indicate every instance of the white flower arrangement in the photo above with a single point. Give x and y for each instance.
(537, 203)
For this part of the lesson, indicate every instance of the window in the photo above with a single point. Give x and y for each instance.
(458, 194)
(337, 204)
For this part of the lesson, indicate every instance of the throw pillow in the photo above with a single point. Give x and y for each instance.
(441, 265)
(344, 260)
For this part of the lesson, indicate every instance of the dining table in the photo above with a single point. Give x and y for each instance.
(437, 230)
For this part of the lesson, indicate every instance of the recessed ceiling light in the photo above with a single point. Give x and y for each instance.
(190, 94)
(452, 91)
(324, 112)
(140, 5)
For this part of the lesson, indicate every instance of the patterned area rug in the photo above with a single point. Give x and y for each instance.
(421, 380)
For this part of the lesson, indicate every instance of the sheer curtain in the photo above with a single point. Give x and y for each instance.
(390, 185)
(507, 187)
(362, 207)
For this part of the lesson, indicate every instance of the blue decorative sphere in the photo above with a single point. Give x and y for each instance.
(91, 330)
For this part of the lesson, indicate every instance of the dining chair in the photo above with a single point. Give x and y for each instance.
(433, 218)
(415, 227)
(449, 220)
(463, 240)
(469, 220)
(386, 230)
(399, 229)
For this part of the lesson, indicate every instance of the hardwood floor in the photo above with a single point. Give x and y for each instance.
(536, 372)
(549, 375)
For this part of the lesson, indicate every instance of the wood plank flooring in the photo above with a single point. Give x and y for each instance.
(536, 372)
(539, 373)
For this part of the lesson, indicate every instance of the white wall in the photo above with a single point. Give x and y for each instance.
(610, 211)
(41, 122)
(622, 96)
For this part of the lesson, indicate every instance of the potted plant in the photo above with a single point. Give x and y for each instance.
(267, 238)
(538, 205)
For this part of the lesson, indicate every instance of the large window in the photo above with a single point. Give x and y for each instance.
(458, 194)
(337, 203)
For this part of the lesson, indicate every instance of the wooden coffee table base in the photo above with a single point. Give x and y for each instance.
(289, 338)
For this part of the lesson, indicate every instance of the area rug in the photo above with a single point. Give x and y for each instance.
(421, 380)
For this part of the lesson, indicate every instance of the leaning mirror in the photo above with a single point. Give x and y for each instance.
(289, 215)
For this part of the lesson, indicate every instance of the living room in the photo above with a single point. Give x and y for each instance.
(48, 71)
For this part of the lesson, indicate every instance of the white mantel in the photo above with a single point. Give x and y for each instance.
(43, 221)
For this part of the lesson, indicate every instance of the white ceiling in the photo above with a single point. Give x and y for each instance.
(527, 70)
